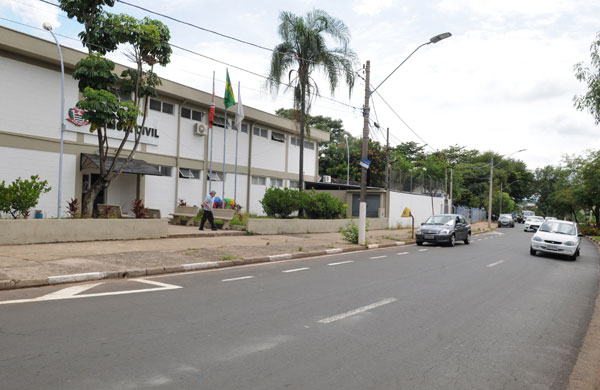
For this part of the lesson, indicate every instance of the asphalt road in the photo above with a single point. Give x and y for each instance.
(481, 316)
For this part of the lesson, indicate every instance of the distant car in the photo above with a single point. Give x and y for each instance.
(506, 221)
(444, 229)
(559, 237)
(533, 223)
(520, 218)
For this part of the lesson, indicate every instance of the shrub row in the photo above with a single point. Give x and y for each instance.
(282, 202)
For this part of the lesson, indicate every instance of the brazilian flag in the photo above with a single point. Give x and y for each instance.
(229, 98)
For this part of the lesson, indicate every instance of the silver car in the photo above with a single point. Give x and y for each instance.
(558, 237)
(533, 223)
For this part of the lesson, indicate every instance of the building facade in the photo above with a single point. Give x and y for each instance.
(175, 139)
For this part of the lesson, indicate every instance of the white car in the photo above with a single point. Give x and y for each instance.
(559, 237)
(533, 223)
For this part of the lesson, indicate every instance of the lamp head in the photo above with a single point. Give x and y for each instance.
(47, 26)
(439, 37)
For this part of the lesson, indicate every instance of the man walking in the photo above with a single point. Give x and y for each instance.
(207, 206)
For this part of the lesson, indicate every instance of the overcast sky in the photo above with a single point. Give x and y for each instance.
(504, 81)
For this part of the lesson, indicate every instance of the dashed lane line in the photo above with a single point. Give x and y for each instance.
(356, 311)
(342, 262)
(402, 253)
(377, 257)
(240, 278)
(422, 250)
(496, 263)
(296, 269)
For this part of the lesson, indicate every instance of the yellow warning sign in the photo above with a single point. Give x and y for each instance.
(406, 212)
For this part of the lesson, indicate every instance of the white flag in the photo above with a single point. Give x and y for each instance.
(239, 115)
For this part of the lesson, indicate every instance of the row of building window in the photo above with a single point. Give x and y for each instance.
(196, 115)
(188, 173)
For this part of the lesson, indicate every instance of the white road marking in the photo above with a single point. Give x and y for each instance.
(402, 253)
(70, 292)
(422, 250)
(296, 269)
(378, 257)
(479, 239)
(240, 278)
(496, 263)
(357, 311)
(342, 262)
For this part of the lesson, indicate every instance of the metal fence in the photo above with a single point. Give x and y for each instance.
(416, 183)
(471, 214)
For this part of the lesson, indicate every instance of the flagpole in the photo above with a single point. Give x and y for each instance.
(237, 133)
(224, 144)
(210, 132)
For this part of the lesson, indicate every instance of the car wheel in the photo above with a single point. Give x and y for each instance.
(573, 257)
(419, 243)
(467, 240)
(524, 230)
(532, 251)
(452, 240)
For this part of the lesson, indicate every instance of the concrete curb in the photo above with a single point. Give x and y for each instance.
(11, 284)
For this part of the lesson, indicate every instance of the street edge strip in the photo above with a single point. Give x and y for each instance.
(12, 284)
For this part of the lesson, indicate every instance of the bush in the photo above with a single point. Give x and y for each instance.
(322, 205)
(137, 206)
(73, 207)
(239, 219)
(17, 198)
(280, 202)
(350, 232)
(589, 230)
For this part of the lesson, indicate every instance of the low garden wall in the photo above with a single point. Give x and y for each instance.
(35, 231)
(298, 226)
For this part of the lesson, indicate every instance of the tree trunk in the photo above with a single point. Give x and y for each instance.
(87, 203)
(597, 215)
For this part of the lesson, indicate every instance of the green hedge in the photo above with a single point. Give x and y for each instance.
(282, 202)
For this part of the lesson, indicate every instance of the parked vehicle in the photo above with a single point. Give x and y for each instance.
(444, 228)
(506, 221)
(533, 223)
(559, 237)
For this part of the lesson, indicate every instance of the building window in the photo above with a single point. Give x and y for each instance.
(165, 171)
(244, 128)
(259, 180)
(186, 113)
(186, 173)
(216, 176)
(197, 115)
(309, 145)
(155, 105)
(293, 184)
(275, 182)
(168, 108)
(259, 131)
(278, 137)
(295, 141)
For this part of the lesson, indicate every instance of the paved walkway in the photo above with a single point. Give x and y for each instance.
(32, 265)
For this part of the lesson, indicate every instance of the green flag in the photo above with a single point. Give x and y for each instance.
(229, 98)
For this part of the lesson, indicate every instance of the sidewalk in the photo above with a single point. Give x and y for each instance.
(187, 248)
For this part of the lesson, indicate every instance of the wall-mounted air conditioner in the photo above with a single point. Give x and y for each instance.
(326, 179)
(200, 129)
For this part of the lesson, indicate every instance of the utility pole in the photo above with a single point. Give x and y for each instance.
(490, 198)
(362, 212)
(446, 191)
(387, 160)
(451, 200)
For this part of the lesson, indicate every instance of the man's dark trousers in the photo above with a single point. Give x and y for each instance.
(207, 215)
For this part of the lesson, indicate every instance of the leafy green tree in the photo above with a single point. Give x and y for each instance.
(588, 190)
(147, 41)
(21, 195)
(590, 101)
(304, 49)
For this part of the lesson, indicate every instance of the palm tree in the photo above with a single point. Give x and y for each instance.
(303, 50)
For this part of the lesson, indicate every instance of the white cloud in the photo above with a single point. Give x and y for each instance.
(33, 12)
(372, 7)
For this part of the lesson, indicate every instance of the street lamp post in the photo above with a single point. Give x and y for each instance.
(362, 216)
(348, 164)
(491, 185)
(48, 27)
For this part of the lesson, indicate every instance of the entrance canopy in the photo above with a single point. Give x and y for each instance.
(139, 167)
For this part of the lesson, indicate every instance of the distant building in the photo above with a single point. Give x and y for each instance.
(172, 161)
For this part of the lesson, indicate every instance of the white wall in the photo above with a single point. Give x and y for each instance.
(420, 206)
(268, 154)
(30, 99)
(217, 146)
(167, 131)
(192, 145)
(294, 160)
(25, 163)
(160, 193)
(122, 192)
(190, 190)
(256, 194)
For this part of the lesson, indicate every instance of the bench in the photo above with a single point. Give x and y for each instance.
(225, 215)
(187, 212)
(152, 213)
(110, 211)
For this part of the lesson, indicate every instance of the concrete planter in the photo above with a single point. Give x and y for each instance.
(299, 226)
(26, 231)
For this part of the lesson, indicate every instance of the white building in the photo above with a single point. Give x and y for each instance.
(177, 142)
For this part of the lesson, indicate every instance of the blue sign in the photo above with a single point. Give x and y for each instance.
(365, 163)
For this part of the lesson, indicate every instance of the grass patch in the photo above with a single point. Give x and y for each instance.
(300, 248)
(230, 257)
